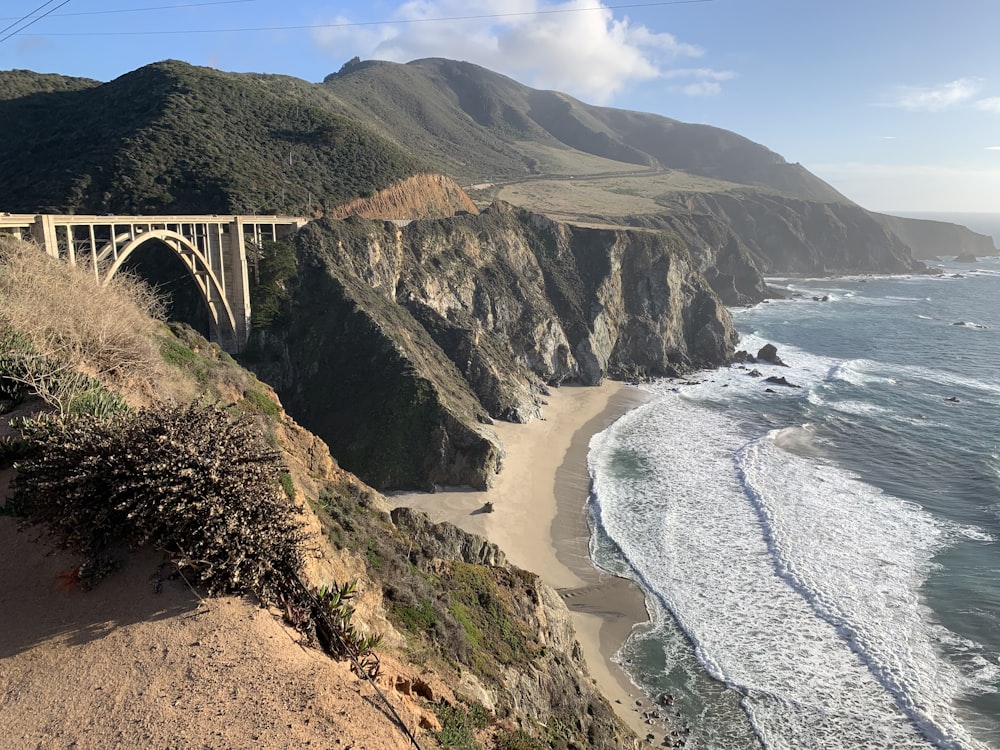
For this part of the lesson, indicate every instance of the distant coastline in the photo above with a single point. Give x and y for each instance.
(984, 223)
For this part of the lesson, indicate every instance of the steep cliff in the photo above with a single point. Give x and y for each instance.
(931, 239)
(399, 344)
(789, 235)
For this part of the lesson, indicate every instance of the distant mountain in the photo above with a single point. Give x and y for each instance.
(171, 138)
(479, 125)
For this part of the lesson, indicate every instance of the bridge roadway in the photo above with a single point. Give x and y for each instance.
(213, 248)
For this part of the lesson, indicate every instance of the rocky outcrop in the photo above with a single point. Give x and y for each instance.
(769, 353)
(726, 262)
(400, 344)
(445, 540)
(423, 196)
(548, 684)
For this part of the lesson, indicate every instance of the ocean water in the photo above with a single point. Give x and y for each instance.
(822, 563)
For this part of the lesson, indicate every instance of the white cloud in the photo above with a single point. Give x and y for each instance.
(993, 148)
(992, 104)
(936, 98)
(704, 81)
(572, 46)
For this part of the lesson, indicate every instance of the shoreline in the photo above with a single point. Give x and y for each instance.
(540, 522)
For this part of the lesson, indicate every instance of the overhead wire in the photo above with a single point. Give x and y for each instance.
(350, 24)
(25, 17)
(33, 21)
(177, 6)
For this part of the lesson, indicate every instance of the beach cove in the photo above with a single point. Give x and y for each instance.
(540, 522)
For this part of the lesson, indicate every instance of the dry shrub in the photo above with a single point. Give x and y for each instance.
(196, 481)
(68, 330)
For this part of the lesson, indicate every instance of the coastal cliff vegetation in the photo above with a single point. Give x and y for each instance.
(198, 460)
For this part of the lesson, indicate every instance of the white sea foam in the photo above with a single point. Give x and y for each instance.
(796, 583)
(941, 378)
(975, 534)
(860, 372)
(859, 557)
(858, 408)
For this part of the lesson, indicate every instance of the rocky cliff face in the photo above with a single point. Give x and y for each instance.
(401, 344)
(554, 686)
(777, 235)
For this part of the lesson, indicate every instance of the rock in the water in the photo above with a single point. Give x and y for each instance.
(780, 381)
(953, 399)
(755, 373)
(965, 258)
(769, 353)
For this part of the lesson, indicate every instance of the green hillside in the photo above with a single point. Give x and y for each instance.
(478, 126)
(171, 137)
(17, 83)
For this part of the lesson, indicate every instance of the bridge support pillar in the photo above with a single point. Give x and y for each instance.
(237, 280)
(43, 231)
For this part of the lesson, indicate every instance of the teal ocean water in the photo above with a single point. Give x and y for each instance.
(822, 563)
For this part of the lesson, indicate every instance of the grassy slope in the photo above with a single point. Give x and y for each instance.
(171, 137)
(478, 125)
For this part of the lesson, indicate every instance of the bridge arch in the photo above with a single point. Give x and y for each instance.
(213, 249)
(212, 288)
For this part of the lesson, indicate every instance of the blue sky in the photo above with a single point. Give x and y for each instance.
(894, 102)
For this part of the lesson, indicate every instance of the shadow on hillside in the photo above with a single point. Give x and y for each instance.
(36, 605)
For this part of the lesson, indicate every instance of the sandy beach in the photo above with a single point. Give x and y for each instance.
(540, 522)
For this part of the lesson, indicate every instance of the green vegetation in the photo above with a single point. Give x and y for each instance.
(15, 84)
(173, 138)
(457, 613)
(256, 401)
(332, 624)
(459, 725)
(269, 291)
(417, 619)
(287, 484)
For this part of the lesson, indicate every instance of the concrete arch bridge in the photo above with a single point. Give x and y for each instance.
(214, 249)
